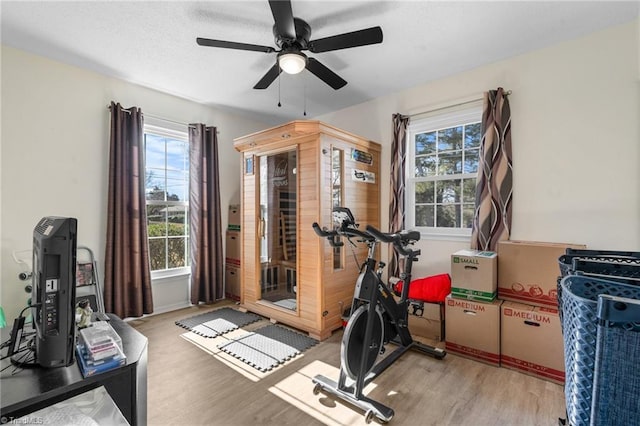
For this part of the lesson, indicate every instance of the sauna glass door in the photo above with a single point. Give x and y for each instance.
(277, 228)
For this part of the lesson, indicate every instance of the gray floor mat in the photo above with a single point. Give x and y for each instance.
(217, 322)
(300, 341)
(214, 328)
(267, 347)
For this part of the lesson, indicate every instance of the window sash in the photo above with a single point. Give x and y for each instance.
(461, 198)
(166, 269)
(462, 116)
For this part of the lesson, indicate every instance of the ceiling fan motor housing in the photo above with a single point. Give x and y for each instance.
(303, 34)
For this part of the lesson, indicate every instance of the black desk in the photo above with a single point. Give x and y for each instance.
(32, 389)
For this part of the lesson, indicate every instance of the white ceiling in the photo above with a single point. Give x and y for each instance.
(153, 44)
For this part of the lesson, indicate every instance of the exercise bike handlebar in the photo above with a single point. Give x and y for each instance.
(400, 240)
(332, 236)
(346, 231)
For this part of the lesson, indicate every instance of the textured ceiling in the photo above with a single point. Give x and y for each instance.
(153, 44)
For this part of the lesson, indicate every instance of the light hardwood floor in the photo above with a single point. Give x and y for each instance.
(188, 386)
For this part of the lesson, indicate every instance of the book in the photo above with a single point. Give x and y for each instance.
(89, 367)
(99, 335)
(103, 353)
(84, 274)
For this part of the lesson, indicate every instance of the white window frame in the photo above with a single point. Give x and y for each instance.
(178, 132)
(467, 113)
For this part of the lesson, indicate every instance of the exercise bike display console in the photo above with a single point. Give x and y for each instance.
(375, 320)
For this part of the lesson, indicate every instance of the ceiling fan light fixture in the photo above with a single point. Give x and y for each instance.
(292, 62)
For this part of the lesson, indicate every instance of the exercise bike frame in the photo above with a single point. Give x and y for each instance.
(373, 295)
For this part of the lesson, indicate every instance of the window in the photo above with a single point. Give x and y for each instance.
(337, 169)
(167, 198)
(442, 167)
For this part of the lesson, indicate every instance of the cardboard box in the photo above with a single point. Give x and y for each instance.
(232, 282)
(234, 217)
(426, 321)
(474, 275)
(232, 244)
(531, 341)
(528, 271)
(472, 329)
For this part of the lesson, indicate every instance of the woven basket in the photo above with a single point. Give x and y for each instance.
(627, 258)
(578, 303)
(616, 377)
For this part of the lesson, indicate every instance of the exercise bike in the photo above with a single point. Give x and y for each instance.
(375, 320)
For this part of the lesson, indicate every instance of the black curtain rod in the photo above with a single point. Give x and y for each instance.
(470, 101)
(161, 119)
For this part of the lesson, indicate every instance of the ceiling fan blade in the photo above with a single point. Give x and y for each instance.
(233, 45)
(268, 78)
(283, 17)
(325, 74)
(344, 41)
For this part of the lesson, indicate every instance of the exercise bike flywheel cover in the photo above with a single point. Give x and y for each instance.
(353, 348)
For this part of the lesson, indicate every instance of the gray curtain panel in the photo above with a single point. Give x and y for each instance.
(207, 263)
(396, 202)
(127, 284)
(494, 190)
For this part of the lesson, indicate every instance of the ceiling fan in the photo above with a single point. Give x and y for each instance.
(292, 37)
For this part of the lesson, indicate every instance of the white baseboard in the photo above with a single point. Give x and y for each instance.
(169, 308)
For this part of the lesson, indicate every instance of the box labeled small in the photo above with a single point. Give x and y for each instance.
(474, 275)
(234, 217)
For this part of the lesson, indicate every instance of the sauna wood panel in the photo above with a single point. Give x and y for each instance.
(322, 291)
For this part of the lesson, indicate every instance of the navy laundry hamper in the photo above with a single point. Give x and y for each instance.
(624, 268)
(578, 302)
(616, 377)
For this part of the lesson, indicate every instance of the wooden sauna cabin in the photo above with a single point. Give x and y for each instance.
(292, 176)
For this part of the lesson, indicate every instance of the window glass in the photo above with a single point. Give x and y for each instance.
(167, 197)
(442, 167)
(337, 170)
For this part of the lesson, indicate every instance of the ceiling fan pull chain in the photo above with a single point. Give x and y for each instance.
(305, 95)
(279, 77)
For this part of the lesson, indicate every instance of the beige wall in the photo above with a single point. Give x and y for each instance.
(575, 127)
(576, 139)
(55, 150)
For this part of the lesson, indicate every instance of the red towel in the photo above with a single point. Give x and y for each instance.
(433, 289)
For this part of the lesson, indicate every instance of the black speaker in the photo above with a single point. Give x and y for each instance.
(54, 290)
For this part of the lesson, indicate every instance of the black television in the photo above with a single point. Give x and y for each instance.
(54, 290)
